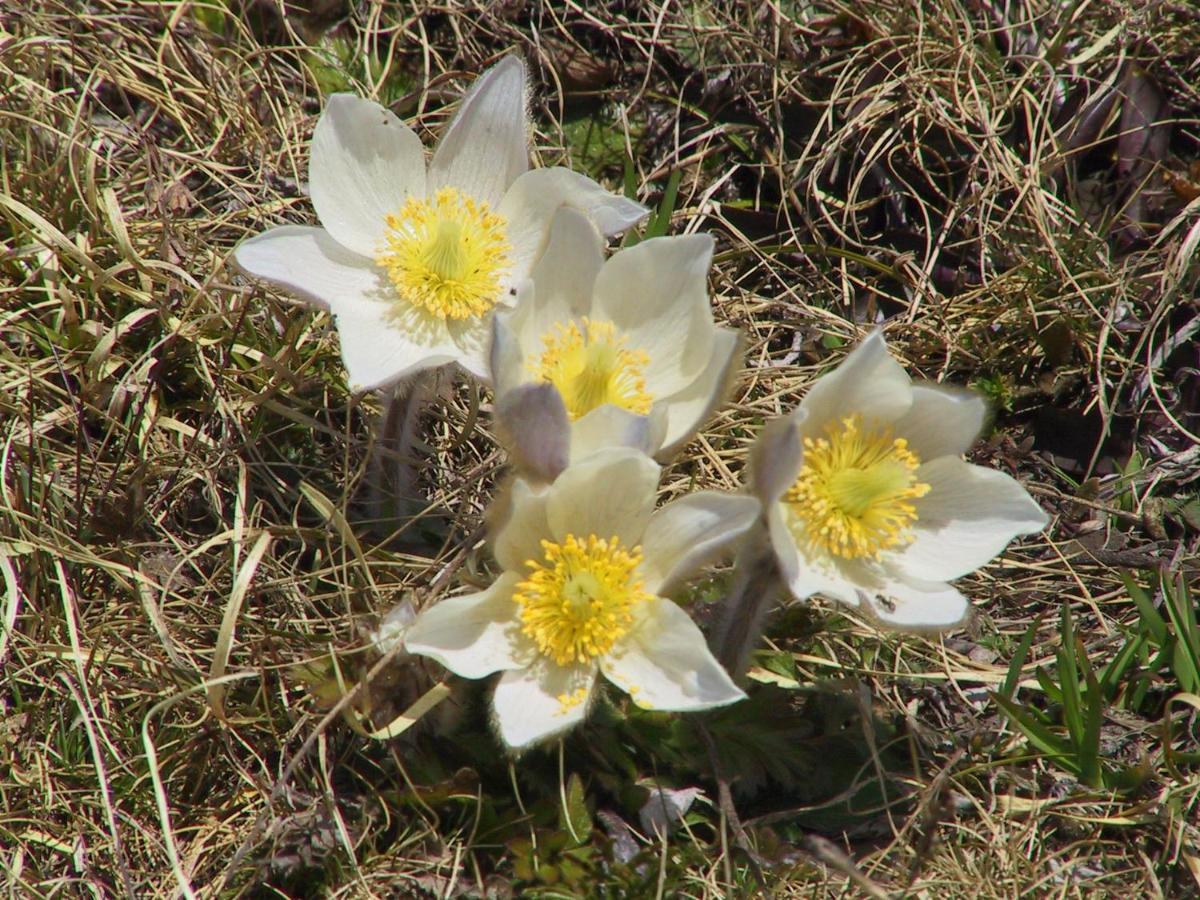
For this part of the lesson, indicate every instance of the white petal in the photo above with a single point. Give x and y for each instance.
(664, 663)
(868, 382)
(611, 426)
(506, 360)
(309, 263)
(364, 163)
(609, 493)
(471, 338)
(486, 147)
(380, 344)
(686, 534)
(809, 579)
(534, 198)
(562, 282)
(520, 537)
(529, 704)
(688, 409)
(775, 459)
(531, 422)
(473, 635)
(805, 576)
(786, 554)
(656, 293)
(886, 596)
(942, 420)
(913, 605)
(969, 516)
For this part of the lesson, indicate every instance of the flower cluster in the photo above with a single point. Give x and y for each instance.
(602, 368)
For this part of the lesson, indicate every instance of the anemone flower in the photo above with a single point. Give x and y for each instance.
(630, 337)
(586, 562)
(412, 260)
(869, 501)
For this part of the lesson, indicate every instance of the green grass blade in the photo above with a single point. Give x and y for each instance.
(1088, 745)
(1151, 621)
(1185, 656)
(1041, 737)
(1119, 666)
(1013, 678)
(1068, 678)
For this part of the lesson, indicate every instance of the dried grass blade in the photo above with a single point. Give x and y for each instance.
(241, 584)
(12, 603)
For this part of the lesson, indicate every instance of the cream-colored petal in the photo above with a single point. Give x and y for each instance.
(775, 459)
(690, 408)
(909, 604)
(365, 162)
(786, 554)
(562, 282)
(809, 579)
(472, 338)
(664, 663)
(380, 346)
(941, 421)
(473, 635)
(381, 343)
(533, 705)
(880, 591)
(531, 423)
(656, 293)
(806, 575)
(685, 535)
(486, 147)
(610, 426)
(534, 198)
(520, 537)
(868, 382)
(310, 264)
(506, 358)
(968, 517)
(609, 493)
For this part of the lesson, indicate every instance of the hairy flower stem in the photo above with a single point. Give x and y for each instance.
(756, 588)
(395, 499)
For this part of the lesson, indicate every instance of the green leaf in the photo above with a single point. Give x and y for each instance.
(1013, 678)
(1051, 690)
(1088, 744)
(576, 820)
(1068, 677)
(1152, 622)
(660, 221)
(1119, 666)
(1185, 659)
(1041, 737)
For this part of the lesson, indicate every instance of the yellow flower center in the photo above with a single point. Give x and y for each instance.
(591, 366)
(852, 496)
(445, 256)
(579, 598)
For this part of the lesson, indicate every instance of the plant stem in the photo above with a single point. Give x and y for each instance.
(394, 496)
(756, 588)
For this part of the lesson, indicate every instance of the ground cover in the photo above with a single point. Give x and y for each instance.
(193, 558)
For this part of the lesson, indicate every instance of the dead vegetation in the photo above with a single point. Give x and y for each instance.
(184, 542)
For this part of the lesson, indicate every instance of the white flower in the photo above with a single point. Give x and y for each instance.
(412, 262)
(624, 339)
(869, 501)
(586, 561)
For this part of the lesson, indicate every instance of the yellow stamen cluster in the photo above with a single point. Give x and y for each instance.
(567, 702)
(852, 496)
(591, 366)
(446, 256)
(579, 599)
